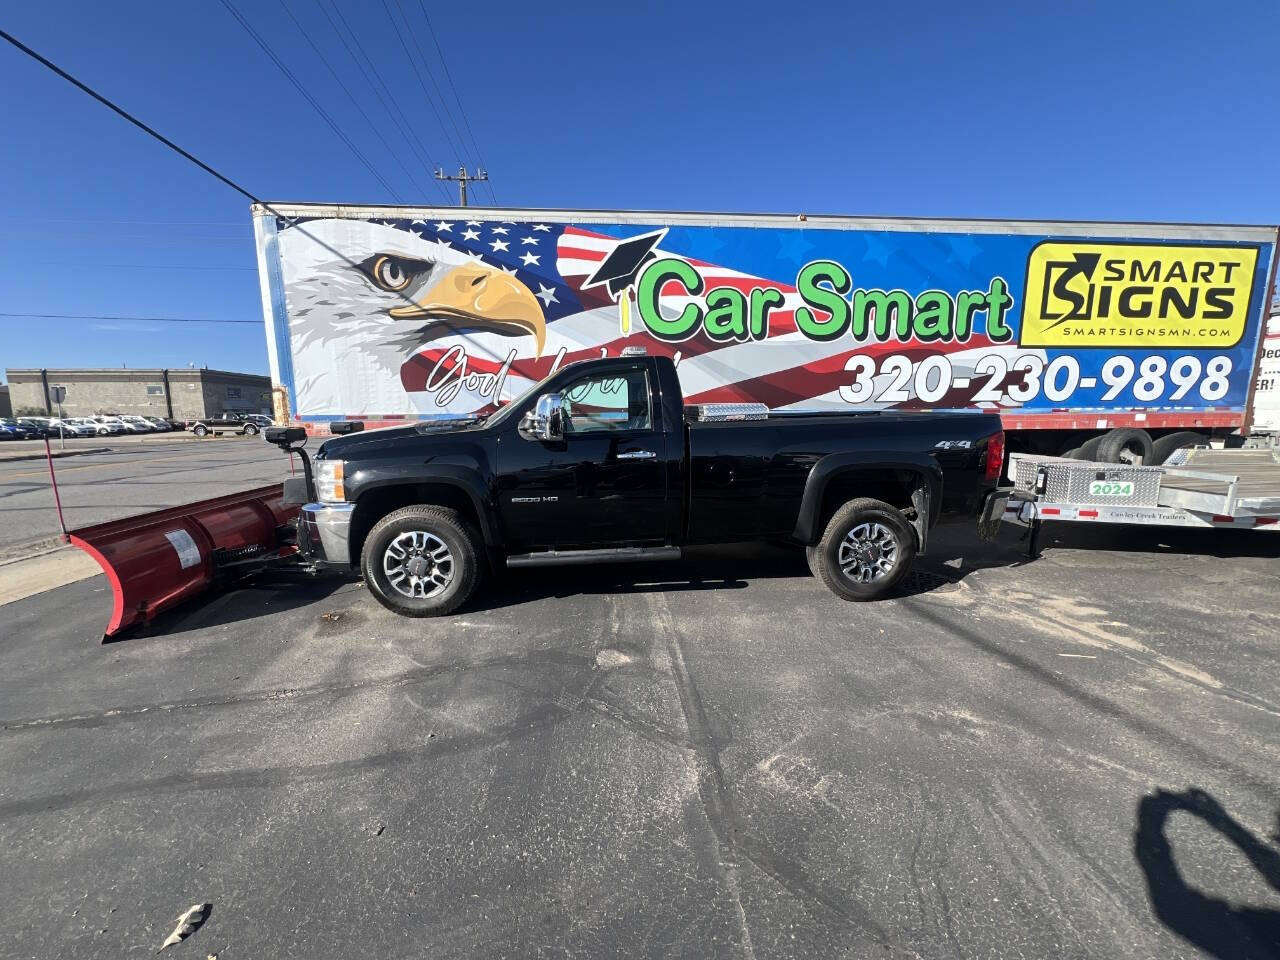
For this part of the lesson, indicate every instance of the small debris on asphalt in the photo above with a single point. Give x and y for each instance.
(188, 924)
(333, 616)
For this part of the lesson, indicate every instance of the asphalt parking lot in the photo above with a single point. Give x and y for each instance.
(711, 758)
(121, 477)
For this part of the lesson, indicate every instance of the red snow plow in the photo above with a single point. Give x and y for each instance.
(160, 559)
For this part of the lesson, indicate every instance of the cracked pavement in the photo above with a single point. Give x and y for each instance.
(710, 758)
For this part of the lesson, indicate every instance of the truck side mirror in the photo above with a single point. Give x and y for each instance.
(545, 421)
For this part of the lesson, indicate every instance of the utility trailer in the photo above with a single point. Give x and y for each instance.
(1202, 487)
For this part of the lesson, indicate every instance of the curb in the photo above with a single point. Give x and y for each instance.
(57, 454)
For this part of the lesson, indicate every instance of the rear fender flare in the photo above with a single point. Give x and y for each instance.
(927, 497)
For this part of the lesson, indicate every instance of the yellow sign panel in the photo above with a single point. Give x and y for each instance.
(1136, 295)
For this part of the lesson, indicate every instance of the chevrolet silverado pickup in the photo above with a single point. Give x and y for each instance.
(602, 462)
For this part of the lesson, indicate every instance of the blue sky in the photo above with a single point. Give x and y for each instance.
(1116, 111)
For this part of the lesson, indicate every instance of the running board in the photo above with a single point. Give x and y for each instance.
(548, 558)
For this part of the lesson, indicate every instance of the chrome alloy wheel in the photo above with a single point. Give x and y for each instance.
(418, 564)
(868, 552)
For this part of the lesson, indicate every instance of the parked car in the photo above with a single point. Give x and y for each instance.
(224, 423)
(261, 419)
(109, 425)
(40, 426)
(142, 424)
(84, 426)
(11, 429)
(159, 424)
(601, 462)
(72, 427)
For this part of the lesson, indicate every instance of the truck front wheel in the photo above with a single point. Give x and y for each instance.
(865, 551)
(421, 561)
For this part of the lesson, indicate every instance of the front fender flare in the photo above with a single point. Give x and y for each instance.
(466, 479)
(840, 464)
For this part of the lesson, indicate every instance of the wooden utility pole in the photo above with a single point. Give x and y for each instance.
(463, 179)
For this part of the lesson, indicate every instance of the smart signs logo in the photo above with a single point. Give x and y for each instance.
(1136, 294)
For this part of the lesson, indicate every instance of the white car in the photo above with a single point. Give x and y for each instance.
(72, 427)
(140, 424)
(83, 426)
(111, 425)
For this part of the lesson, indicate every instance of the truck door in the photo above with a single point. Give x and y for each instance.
(605, 484)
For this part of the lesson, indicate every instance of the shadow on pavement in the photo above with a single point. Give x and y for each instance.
(1224, 544)
(1211, 923)
(262, 595)
(722, 567)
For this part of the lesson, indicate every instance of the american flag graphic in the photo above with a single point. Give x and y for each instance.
(556, 262)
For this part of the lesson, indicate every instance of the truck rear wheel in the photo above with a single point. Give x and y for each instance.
(865, 551)
(200, 430)
(421, 561)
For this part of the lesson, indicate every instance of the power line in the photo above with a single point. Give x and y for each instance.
(181, 152)
(393, 110)
(95, 316)
(444, 64)
(422, 58)
(128, 116)
(309, 98)
(153, 223)
(133, 266)
(354, 102)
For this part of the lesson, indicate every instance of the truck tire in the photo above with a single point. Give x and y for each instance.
(200, 430)
(866, 549)
(421, 561)
(1163, 447)
(1125, 445)
(250, 430)
(1089, 449)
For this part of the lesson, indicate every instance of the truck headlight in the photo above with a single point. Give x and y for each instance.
(329, 481)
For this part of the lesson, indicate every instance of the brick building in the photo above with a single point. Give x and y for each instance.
(181, 393)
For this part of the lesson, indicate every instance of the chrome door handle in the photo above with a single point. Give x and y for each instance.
(637, 455)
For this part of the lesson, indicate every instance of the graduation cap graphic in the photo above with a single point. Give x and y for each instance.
(618, 270)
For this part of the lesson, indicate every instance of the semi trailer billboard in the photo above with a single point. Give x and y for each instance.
(384, 313)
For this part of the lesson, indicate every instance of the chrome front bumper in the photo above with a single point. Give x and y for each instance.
(323, 534)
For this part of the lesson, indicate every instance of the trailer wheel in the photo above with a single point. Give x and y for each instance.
(1164, 447)
(200, 430)
(421, 561)
(1126, 445)
(866, 549)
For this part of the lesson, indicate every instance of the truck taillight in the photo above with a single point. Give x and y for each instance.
(995, 458)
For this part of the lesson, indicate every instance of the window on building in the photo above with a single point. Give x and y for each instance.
(155, 390)
(233, 393)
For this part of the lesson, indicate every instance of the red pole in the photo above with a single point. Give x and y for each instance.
(57, 500)
(291, 470)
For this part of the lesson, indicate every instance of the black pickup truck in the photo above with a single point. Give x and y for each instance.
(226, 423)
(602, 462)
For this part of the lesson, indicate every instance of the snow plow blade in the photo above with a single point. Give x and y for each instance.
(156, 560)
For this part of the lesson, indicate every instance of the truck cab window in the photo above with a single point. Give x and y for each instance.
(607, 402)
